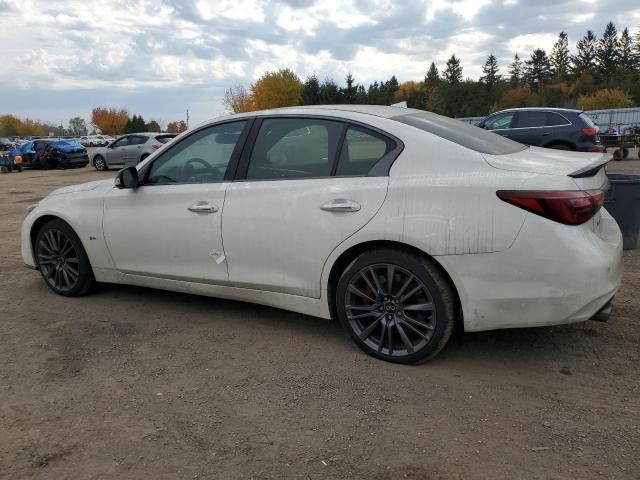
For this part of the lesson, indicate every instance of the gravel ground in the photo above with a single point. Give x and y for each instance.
(137, 383)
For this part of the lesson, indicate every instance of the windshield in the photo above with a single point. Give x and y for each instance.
(461, 133)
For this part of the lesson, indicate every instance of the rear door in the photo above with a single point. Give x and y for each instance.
(530, 128)
(133, 151)
(303, 187)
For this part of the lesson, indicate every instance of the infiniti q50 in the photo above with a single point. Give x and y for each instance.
(399, 223)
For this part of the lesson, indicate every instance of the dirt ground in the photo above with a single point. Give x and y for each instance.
(137, 383)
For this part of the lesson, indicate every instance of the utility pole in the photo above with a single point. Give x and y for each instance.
(187, 118)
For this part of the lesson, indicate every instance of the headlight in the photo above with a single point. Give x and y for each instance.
(31, 208)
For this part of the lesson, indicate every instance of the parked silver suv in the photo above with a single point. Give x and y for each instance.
(128, 150)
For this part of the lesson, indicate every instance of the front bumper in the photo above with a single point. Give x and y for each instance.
(553, 274)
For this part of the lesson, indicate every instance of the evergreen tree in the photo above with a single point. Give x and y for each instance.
(516, 71)
(585, 60)
(128, 126)
(560, 60)
(537, 68)
(361, 95)
(349, 93)
(627, 56)
(433, 76)
(453, 72)
(490, 70)
(329, 93)
(310, 93)
(138, 124)
(636, 48)
(607, 51)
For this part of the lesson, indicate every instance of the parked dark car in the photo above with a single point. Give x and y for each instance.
(52, 153)
(558, 128)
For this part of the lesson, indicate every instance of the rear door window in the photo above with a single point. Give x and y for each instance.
(531, 119)
(294, 148)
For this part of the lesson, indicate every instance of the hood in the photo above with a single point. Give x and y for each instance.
(83, 187)
(545, 161)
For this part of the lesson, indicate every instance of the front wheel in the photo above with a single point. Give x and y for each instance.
(396, 306)
(62, 260)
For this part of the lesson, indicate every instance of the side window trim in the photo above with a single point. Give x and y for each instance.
(233, 161)
(380, 169)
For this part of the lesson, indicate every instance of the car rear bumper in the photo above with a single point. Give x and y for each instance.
(591, 148)
(553, 274)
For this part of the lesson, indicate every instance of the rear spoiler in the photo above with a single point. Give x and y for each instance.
(591, 169)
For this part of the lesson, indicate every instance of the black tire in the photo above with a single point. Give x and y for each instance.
(62, 260)
(143, 157)
(561, 146)
(433, 291)
(618, 155)
(625, 152)
(100, 163)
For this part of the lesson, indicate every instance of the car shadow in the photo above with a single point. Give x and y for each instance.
(510, 346)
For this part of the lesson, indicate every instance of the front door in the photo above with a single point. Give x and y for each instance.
(115, 152)
(298, 198)
(170, 226)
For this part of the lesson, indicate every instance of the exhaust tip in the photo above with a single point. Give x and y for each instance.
(604, 313)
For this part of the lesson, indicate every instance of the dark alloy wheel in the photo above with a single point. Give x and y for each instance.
(99, 163)
(62, 260)
(396, 307)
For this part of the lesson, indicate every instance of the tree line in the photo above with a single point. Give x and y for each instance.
(104, 120)
(603, 73)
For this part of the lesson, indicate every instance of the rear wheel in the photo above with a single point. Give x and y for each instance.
(618, 155)
(625, 152)
(396, 306)
(99, 163)
(561, 146)
(62, 260)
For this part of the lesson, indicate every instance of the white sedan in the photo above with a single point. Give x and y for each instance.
(400, 223)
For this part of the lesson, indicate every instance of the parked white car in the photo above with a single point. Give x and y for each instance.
(400, 223)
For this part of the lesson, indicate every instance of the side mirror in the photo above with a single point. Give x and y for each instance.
(127, 178)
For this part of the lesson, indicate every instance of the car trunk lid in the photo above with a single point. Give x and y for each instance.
(586, 169)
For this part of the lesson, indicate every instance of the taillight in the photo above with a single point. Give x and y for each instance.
(590, 132)
(156, 145)
(571, 207)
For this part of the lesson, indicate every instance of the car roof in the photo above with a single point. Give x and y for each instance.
(540, 109)
(373, 110)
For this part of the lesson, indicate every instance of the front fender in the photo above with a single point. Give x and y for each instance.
(82, 214)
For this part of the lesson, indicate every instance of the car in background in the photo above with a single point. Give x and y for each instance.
(53, 153)
(129, 150)
(558, 128)
(94, 140)
(399, 223)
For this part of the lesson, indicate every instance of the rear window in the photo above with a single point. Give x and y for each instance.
(164, 138)
(460, 133)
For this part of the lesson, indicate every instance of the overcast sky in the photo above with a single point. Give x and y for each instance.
(159, 57)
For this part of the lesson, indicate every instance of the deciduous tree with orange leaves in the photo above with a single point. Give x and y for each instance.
(176, 127)
(110, 121)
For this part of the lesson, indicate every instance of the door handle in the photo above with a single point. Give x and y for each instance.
(203, 207)
(546, 134)
(340, 205)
